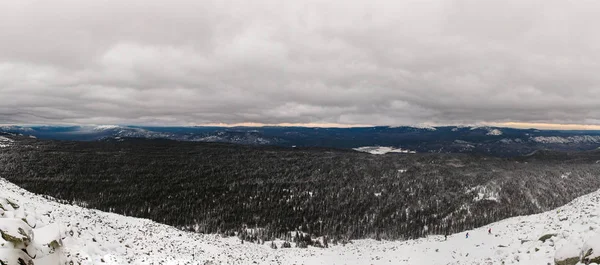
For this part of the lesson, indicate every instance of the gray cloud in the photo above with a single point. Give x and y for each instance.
(310, 61)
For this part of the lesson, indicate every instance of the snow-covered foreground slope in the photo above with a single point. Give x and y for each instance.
(105, 238)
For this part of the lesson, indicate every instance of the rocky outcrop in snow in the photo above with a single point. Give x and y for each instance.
(591, 250)
(567, 255)
(27, 238)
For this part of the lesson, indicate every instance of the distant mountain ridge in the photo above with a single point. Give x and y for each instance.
(446, 139)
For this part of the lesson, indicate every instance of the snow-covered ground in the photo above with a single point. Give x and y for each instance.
(106, 238)
(105, 127)
(486, 193)
(567, 140)
(494, 132)
(380, 150)
(5, 142)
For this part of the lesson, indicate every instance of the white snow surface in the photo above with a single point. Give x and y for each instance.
(487, 193)
(567, 140)
(425, 126)
(593, 246)
(5, 142)
(4, 139)
(491, 131)
(106, 127)
(494, 132)
(380, 150)
(106, 238)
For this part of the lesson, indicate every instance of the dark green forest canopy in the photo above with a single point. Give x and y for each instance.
(218, 188)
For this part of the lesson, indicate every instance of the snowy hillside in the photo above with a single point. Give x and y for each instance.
(105, 238)
(105, 127)
(567, 140)
(494, 132)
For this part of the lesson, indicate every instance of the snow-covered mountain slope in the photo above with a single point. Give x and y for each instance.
(494, 132)
(567, 140)
(106, 238)
(105, 127)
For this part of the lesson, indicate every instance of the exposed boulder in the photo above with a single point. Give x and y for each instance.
(591, 250)
(546, 237)
(23, 242)
(569, 254)
(15, 232)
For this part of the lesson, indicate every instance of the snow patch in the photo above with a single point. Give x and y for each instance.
(566, 252)
(510, 141)
(4, 139)
(495, 132)
(490, 130)
(105, 127)
(5, 142)
(567, 140)
(425, 126)
(591, 248)
(380, 150)
(485, 193)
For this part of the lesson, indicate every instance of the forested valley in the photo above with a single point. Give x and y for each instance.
(338, 193)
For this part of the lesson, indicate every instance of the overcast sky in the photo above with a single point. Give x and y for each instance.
(337, 61)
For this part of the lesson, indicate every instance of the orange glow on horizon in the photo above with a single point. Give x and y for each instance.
(256, 124)
(518, 125)
(546, 126)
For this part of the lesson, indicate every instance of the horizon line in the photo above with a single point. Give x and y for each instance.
(515, 125)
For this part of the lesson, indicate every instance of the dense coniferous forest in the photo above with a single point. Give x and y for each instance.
(343, 194)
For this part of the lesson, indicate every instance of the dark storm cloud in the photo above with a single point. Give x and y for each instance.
(349, 62)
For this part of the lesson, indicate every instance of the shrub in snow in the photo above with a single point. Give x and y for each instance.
(546, 237)
(569, 261)
(591, 250)
(317, 244)
(301, 244)
(286, 245)
(567, 255)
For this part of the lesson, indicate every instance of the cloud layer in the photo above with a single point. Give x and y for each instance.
(272, 61)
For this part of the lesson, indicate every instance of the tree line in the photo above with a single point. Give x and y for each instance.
(340, 194)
